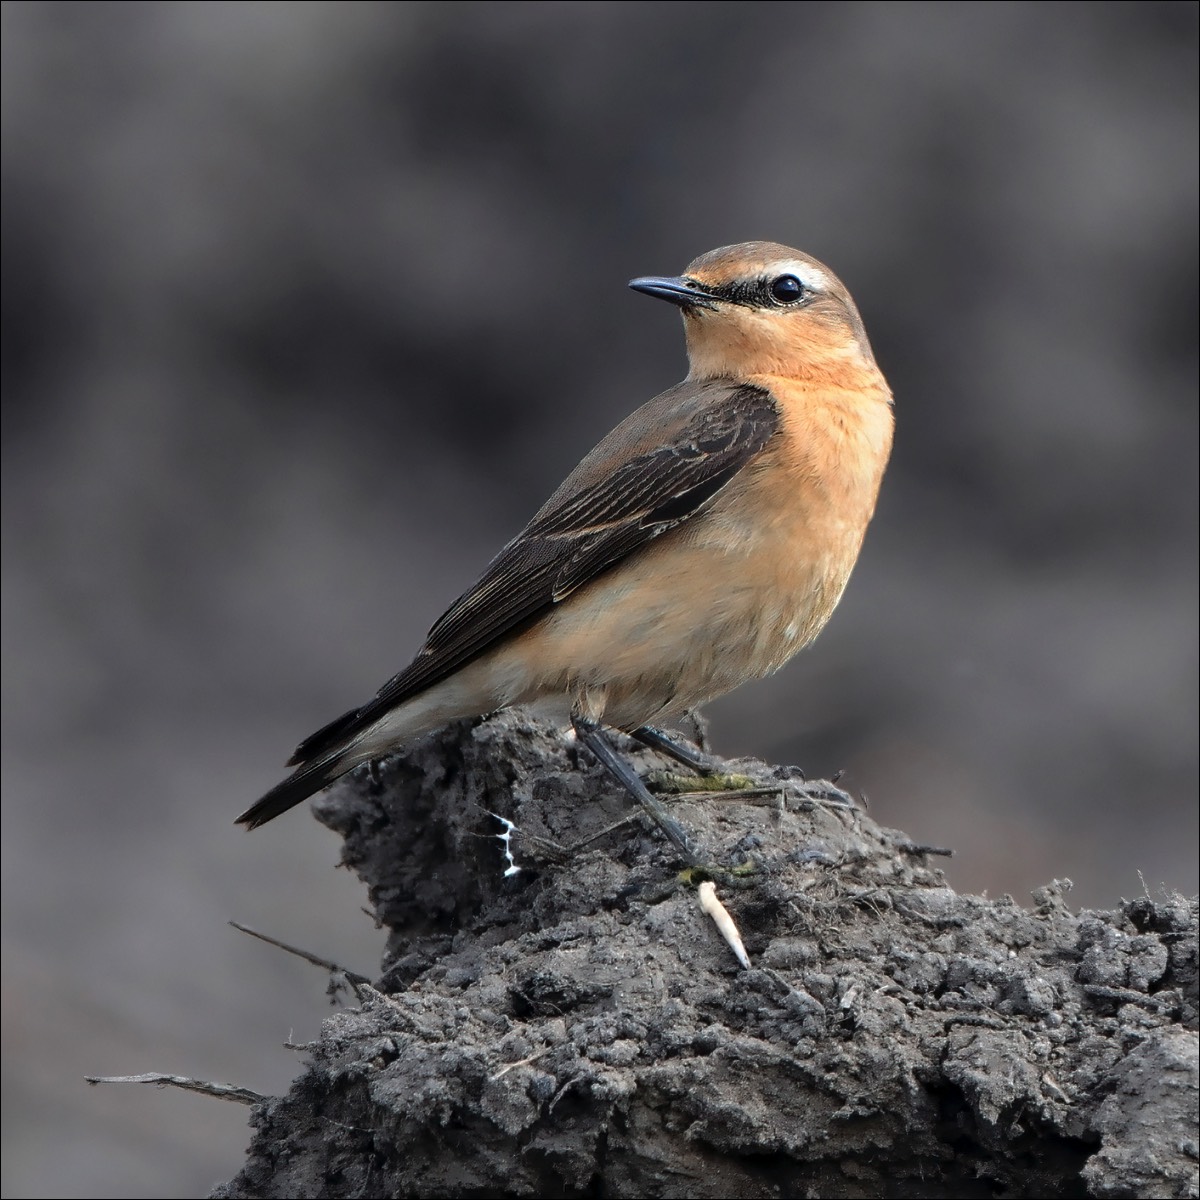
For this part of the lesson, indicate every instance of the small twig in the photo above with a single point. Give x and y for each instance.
(353, 977)
(868, 900)
(826, 794)
(522, 1062)
(920, 848)
(757, 792)
(564, 853)
(629, 819)
(222, 1091)
(562, 1091)
(950, 922)
(546, 845)
(805, 793)
(1128, 996)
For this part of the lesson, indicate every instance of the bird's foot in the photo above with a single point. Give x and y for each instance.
(673, 747)
(590, 733)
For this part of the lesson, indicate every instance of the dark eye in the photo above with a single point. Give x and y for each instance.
(787, 289)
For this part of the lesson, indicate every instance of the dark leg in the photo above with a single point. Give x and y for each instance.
(592, 736)
(679, 751)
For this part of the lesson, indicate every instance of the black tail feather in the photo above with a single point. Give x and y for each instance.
(325, 738)
(298, 786)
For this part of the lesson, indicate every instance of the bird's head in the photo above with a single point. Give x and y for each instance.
(760, 308)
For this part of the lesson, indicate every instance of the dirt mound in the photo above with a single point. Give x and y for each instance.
(578, 1027)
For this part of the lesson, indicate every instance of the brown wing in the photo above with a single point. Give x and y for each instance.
(655, 470)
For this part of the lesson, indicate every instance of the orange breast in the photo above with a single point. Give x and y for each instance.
(732, 594)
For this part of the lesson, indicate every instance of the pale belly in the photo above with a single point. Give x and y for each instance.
(679, 625)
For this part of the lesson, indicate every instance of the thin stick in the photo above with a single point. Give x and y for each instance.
(827, 797)
(222, 1091)
(920, 848)
(522, 1062)
(317, 961)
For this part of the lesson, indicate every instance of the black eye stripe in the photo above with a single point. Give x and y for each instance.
(761, 292)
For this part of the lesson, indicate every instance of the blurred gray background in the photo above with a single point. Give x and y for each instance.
(307, 307)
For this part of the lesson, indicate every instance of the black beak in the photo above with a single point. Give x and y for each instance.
(679, 289)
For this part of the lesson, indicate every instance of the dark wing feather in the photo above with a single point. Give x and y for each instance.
(615, 501)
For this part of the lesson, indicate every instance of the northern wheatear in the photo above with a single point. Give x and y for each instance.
(702, 543)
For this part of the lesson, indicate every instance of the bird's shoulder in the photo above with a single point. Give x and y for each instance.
(693, 419)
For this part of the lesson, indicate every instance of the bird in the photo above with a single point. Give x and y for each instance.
(700, 544)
